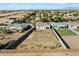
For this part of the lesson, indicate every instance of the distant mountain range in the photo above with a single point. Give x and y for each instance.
(71, 8)
(67, 8)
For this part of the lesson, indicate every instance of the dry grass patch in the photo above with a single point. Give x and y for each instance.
(41, 40)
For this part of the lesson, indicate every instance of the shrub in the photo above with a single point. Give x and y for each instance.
(52, 47)
(45, 47)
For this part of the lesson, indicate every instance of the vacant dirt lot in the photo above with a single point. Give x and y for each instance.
(9, 37)
(70, 38)
(40, 40)
(53, 52)
(72, 41)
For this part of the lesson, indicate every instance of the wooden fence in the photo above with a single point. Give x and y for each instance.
(14, 44)
(60, 39)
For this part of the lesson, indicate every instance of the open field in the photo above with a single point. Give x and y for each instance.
(9, 37)
(70, 38)
(72, 41)
(53, 52)
(3, 20)
(40, 40)
(65, 32)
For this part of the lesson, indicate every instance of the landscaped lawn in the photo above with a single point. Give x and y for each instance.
(77, 29)
(64, 32)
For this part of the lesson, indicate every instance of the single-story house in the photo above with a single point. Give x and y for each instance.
(58, 25)
(42, 26)
(15, 27)
(3, 27)
(18, 27)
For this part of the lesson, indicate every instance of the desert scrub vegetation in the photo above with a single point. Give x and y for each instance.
(44, 39)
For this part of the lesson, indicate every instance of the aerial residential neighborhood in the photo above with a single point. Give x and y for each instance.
(51, 31)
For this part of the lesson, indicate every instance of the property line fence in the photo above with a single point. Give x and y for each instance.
(14, 44)
(64, 44)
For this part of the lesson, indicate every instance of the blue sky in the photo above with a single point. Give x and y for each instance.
(26, 6)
